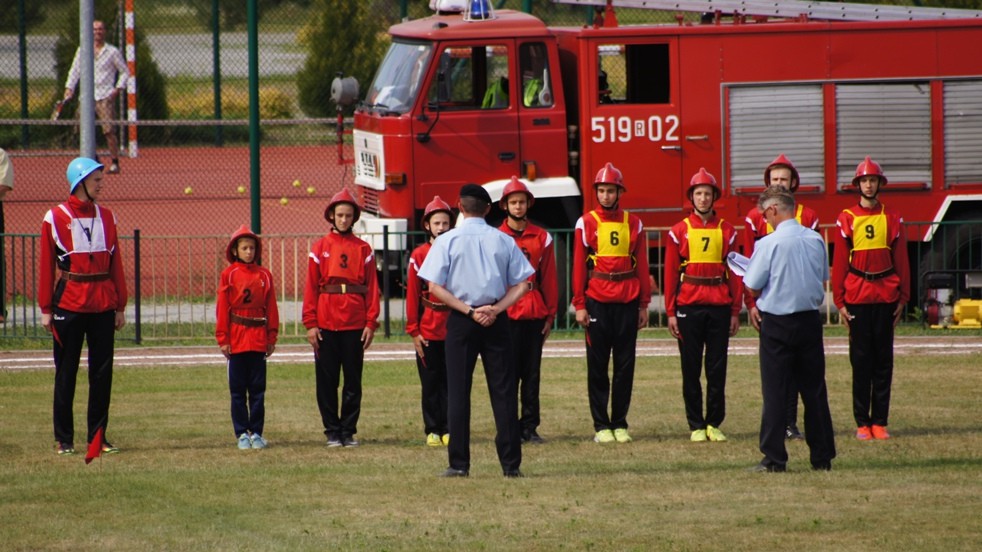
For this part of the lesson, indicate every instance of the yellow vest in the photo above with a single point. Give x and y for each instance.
(613, 238)
(869, 231)
(705, 244)
(797, 217)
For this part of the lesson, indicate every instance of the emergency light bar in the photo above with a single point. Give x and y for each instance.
(473, 10)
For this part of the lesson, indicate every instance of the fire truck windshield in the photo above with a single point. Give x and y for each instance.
(399, 77)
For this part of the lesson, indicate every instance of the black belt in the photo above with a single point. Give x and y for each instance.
(871, 276)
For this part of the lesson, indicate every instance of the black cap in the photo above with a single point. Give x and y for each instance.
(475, 191)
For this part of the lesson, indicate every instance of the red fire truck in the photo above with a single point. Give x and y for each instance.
(462, 99)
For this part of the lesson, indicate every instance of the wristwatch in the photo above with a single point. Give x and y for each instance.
(470, 313)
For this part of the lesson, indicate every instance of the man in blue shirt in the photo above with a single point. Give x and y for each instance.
(786, 274)
(478, 272)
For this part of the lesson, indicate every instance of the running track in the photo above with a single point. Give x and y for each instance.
(403, 352)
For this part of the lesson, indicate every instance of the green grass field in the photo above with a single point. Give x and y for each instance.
(180, 484)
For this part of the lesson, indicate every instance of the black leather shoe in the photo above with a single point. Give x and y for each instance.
(454, 472)
(791, 433)
(514, 473)
(767, 468)
(822, 466)
(531, 436)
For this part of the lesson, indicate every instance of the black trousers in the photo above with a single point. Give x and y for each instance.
(527, 342)
(71, 330)
(613, 328)
(704, 328)
(791, 347)
(247, 387)
(433, 381)
(466, 340)
(339, 351)
(871, 356)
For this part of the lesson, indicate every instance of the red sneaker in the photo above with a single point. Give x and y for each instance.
(863, 433)
(880, 432)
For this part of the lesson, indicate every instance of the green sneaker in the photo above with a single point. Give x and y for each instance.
(622, 436)
(604, 436)
(714, 434)
(433, 440)
(698, 436)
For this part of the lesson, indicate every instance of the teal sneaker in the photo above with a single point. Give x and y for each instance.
(244, 442)
(622, 436)
(604, 436)
(257, 441)
(698, 436)
(714, 434)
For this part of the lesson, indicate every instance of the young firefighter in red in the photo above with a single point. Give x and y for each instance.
(781, 172)
(611, 292)
(870, 286)
(340, 312)
(85, 303)
(702, 301)
(532, 316)
(426, 322)
(247, 323)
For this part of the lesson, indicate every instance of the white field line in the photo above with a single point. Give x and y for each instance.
(565, 349)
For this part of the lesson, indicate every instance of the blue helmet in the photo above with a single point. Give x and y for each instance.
(78, 169)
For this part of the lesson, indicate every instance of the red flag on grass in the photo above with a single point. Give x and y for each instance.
(95, 447)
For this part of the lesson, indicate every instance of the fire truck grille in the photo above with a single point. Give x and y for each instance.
(369, 198)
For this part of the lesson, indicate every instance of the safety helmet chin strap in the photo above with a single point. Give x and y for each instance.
(519, 219)
(85, 187)
(703, 213)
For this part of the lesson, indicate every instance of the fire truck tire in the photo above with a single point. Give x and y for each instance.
(956, 247)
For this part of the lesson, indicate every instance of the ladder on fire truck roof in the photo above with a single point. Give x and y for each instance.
(826, 11)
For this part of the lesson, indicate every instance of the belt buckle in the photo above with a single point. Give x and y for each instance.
(344, 288)
(530, 285)
(869, 277)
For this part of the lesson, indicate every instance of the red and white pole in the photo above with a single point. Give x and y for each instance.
(130, 19)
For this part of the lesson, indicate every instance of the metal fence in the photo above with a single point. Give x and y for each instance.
(173, 279)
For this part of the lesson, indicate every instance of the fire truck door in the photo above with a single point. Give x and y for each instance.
(542, 113)
(470, 129)
(633, 120)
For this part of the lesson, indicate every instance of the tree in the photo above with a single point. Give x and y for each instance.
(234, 14)
(341, 35)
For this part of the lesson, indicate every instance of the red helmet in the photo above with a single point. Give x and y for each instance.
(514, 187)
(436, 206)
(344, 196)
(868, 167)
(782, 161)
(704, 178)
(243, 232)
(610, 175)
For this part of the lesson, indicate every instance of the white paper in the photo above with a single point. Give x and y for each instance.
(738, 263)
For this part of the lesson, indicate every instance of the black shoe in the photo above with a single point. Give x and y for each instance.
(513, 473)
(767, 468)
(822, 466)
(349, 441)
(454, 472)
(791, 433)
(334, 440)
(531, 436)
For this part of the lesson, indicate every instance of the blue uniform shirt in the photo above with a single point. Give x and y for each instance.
(790, 266)
(475, 262)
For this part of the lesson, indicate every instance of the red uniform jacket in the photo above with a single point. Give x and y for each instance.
(542, 301)
(871, 241)
(422, 320)
(621, 251)
(756, 228)
(246, 289)
(341, 259)
(713, 241)
(79, 237)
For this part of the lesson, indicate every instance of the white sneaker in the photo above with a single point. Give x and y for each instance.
(244, 442)
(258, 442)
